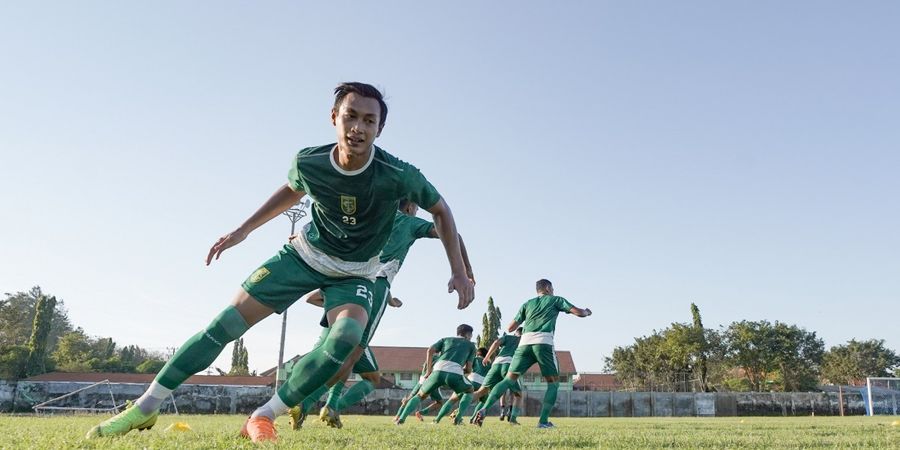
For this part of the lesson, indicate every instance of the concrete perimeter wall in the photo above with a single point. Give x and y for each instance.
(207, 399)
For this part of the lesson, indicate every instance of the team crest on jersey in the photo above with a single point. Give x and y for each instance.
(348, 204)
(258, 276)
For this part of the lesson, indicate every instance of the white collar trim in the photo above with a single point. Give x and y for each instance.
(331, 157)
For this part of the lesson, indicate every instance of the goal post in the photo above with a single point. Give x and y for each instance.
(882, 396)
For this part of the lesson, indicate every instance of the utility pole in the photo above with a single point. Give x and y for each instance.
(294, 215)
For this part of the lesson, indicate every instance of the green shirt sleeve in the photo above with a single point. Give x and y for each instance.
(563, 305)
(421, 228)
(418, 189)
(438, 346)
(520, 316)
(295, 178)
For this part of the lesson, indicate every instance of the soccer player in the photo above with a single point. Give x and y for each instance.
(454, 359)
(435, 395)
(538, 319)
(476, 377)
(504, 348)
(406, 231)
(355, 187)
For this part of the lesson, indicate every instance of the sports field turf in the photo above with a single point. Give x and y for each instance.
(220, 432)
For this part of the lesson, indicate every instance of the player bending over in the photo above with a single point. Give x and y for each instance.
(355, 187)
(454, 360)
(538, 319)
(476, 377)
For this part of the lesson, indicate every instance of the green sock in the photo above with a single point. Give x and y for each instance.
(203, 348)
(310, 401)
(411, 406)
(514, 414)
(319, 365)
(448, 406)
(464, 402)
(356, 393)
(549, 402)
(334, 395)
(497, 392)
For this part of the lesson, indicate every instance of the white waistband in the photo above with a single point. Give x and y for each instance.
(448, 366)
(476, 378)
(389, 270)
(502, 360)
(332, 266)
(536, 337)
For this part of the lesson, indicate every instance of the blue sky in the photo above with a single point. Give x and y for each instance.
(642, 155)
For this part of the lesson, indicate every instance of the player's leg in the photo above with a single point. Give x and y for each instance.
(432, 383)
(516, 410)
(448, 406)
(462, 389)
(367, 368)
(546, 357)
(412, 393)
(299, 413)
(346, 305)
(437, 401)
(273, 287)
(522, 360)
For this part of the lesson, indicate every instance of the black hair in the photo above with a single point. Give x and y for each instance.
(543, 285)
(464, 329)
(520, 329)
(362, 89)
(404, 202)
(482, 351)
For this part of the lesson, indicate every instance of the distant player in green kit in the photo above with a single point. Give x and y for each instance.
(504, 348)
(356, 188)
(476, 377)
(406, 231)
(455, 356)
(538, 319)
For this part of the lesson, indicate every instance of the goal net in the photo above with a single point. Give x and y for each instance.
(882, 396)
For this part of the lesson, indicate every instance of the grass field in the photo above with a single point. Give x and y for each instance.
(220, 432)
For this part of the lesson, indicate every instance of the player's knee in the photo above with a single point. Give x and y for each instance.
(343, 338)
(226, 327)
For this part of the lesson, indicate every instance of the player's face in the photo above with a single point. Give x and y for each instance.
(357, 123)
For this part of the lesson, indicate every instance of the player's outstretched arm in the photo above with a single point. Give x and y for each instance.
(279, 202)
(462, 250)
(580, 312)
(446, 229)
(491, 352)
(429, 356)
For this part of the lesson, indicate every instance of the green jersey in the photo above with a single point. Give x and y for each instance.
(479, 367)
(406, 230)
(508, 345)
(453, 354)
(353, 211)
(538, 318)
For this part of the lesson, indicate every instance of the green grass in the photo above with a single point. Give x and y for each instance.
(220, 432)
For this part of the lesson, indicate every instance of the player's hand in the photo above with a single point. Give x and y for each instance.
(486, 360)
(587, 312)
(427, 374)
(395, 302)
(470, 275)
(464, 288)
(225, 242)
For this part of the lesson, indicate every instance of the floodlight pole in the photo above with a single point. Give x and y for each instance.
(294, 215)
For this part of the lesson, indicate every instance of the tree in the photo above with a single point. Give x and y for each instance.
(239, 359)
(775, 356)
(490, 323)
(853, 362)
(13, 360)
(17, 318)
(37, 345)
(150, 366)
(74, 352)
(702, 370)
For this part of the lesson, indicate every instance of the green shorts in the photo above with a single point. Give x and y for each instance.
(435, 394)
(379, 303)
(456, 382)
(495, 374)
(366, 362)
(285, 277)
(527, 355)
